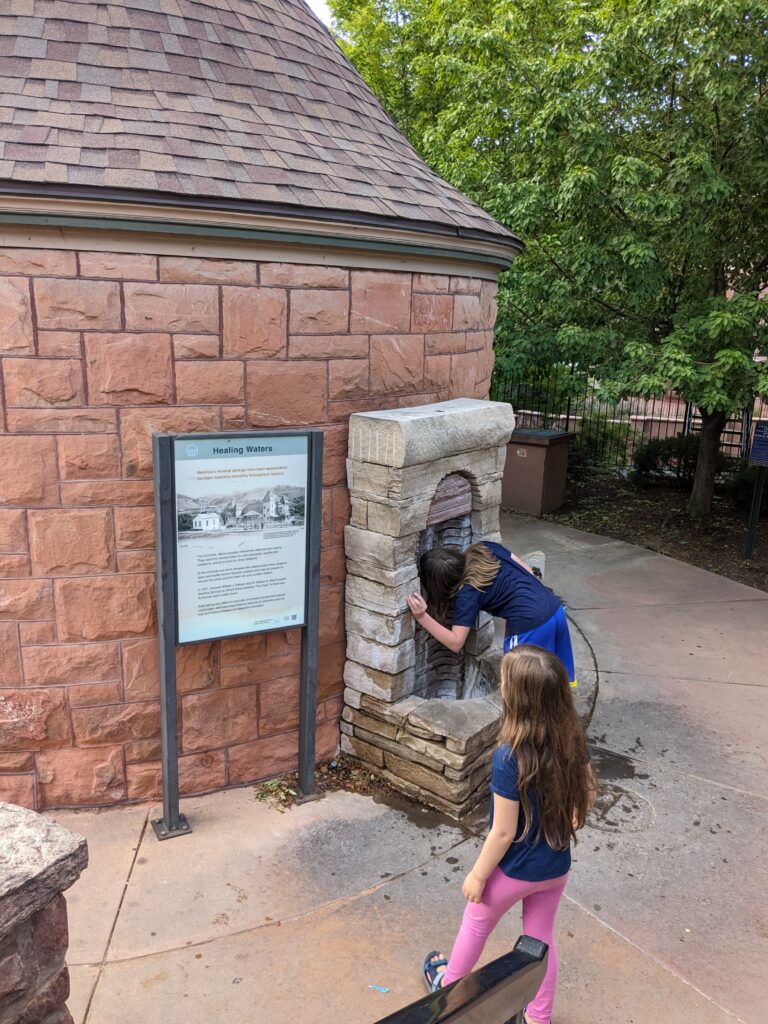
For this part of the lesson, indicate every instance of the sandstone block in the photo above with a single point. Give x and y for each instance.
(467, 723)
(77, 305)
(71, 543)
(388, 553)
(397, 362)
(116, 723)
(196, 346)
(445, 344)
(233, 417)
(340, 512)
(318, 311)
(37, 633)
(52, 665)
(141, 669)
(360, 720)
(59, 344)
(330, 674)
(297, 275)
(13, 566)
(25, 599)
(488, 309)
(407, 437)
(263, 758)
(348, 378)
(431, 282)
(193, 270)
(324, 346)
(287, 665)
(18, 762)
(331, 627)
(105, 607)
(36, 485)
(467, 313)
(136, 561)
(34, 719)
(216, 718)
(62, 421)
(13, 534)
(138, 425)
(16, 331)
(106, 492)
(184, 308)
(378, 597)
(195, 667)
(381, 302)
(279, 706)
(466, 285)
(388, 629)
(208, 384)
(335, 441)
(287, 394)
(242, 650)
(255, 322)
(390, 660)
(364, 751)
(381, 685)
(127, 266)
(71, 778)
(128, 369)
(18, 790)
(87, 695)
(142, 750)
(437, 372)
(432, 313)
(10, 655)
(419, 775)
(38, 262)
(398, 518)
(88, 458)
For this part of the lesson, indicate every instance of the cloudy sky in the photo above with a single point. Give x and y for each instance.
(320, 7)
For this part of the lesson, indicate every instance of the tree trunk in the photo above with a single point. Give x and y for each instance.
(712, 424)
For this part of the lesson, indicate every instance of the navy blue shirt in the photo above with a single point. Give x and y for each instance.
(531, 860)
(515, 595)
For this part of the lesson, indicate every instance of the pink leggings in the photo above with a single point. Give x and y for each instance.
(540, 903)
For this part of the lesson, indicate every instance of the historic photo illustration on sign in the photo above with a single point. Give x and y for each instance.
(241, 540)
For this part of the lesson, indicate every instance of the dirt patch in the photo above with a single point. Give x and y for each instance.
(656, 518)
(340, 773)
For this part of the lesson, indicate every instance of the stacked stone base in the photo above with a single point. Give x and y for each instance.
(437, 751)
(34, 980)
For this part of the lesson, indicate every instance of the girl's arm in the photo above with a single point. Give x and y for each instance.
(453, 638)
(498, 841)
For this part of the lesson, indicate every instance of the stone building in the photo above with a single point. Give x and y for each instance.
(207, 222)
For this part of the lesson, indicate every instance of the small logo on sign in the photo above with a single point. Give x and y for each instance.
(192, 451)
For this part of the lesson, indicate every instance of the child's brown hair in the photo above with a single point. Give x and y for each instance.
(444, 570)
(541, 725)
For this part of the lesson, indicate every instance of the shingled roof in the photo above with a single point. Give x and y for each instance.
(248, 101)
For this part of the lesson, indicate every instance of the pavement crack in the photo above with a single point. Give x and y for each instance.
(103, 962)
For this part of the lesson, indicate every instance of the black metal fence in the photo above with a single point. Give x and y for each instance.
(567, 398)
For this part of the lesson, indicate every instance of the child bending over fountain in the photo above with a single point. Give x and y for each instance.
(486, 577)
(542, 789)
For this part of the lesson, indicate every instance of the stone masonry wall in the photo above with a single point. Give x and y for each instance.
(97, 351)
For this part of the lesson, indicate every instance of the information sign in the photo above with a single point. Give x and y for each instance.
(758, 455)
(240, 534)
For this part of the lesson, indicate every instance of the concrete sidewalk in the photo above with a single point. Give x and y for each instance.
(266, 917)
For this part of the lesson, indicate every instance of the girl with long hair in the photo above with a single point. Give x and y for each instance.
(542, 789)
(458, 585)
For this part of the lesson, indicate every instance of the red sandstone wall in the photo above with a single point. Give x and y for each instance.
(98, 350)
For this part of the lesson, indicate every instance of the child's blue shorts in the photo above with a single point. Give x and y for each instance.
(553, 636)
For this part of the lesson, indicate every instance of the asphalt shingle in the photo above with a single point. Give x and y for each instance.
(248, 99)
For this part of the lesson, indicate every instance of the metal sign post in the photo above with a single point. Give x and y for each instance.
(758, 456)
(220, 512)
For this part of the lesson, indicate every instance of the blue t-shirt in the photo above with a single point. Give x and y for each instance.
(515, 595)
(529, 860)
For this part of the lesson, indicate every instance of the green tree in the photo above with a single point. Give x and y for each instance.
(626, 142)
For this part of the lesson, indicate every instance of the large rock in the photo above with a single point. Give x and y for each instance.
(406, 437)
(38, 860)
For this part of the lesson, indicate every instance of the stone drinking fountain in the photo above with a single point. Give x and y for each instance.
(425, 719)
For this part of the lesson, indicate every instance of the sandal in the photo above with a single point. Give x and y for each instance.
(433, 978)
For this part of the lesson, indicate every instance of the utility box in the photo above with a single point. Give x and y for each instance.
(535, 471)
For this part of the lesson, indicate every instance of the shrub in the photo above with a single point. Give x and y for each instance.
(600, 443)
(740, 487)
(672, 460)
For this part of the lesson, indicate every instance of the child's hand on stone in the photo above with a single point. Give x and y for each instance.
(417, 604)
(473, 888)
